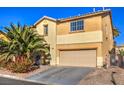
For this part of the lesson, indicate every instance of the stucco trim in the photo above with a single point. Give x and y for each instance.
(86, 37)
(44, 17)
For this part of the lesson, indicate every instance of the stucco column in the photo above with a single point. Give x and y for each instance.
(99, 62)
(53, 55)
(99, 57)
(52, 41)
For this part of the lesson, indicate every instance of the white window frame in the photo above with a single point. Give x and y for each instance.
(74, 26)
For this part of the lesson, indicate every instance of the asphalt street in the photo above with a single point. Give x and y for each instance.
(12, 81)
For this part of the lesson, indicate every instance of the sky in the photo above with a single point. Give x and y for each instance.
(29, 15)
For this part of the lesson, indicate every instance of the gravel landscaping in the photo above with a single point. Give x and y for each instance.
(23, 75)
(110, 76)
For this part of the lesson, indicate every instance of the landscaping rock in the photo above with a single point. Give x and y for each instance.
(119, 78)
(104, 77)
(98, 78)
(4, 71)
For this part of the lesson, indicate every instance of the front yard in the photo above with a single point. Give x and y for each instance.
(5, 72)
(21, 56)
(110, 76)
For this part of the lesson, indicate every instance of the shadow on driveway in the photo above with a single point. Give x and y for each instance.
(12, 81)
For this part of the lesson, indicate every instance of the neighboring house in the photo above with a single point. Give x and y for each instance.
(119, 48)
(79, 41)
(119, 55)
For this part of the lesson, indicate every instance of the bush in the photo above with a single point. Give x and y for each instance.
(3, 64)
(20, 67)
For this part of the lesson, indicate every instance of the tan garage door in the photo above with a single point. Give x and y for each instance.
(85, 58)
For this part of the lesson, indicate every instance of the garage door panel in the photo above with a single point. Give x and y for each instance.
(78, 58)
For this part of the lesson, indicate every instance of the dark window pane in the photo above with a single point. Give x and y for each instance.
(71, 28)
(71, 23)
(46, 30)
(81, 27)
(78, 22)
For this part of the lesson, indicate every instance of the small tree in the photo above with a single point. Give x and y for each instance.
(121, 52)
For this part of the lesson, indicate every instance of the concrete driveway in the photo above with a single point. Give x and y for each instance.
(62, 75)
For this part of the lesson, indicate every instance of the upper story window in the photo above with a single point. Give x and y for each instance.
(77, 25)
(45, 29)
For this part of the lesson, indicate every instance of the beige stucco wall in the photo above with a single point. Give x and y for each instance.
(51, 38)
(39, 28)
(86, 37)
(93, 23)
(90, 24)
(107, 38)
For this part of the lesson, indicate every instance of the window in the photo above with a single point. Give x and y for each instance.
(106, 31)
(77, 25)
(46, 29)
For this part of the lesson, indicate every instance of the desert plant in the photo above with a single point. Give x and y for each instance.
(121, 52)
(20, 67)
(23, 44)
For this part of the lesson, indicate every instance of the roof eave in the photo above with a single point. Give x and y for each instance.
(44, 17)
(86, 15)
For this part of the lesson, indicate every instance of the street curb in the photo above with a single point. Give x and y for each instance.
(21, 79)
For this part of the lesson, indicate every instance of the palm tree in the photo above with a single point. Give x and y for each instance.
(23, 45)
(116, 32)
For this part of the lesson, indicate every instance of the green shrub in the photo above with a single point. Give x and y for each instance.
(3, 64)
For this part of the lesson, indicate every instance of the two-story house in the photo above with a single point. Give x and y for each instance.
(83, 40)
